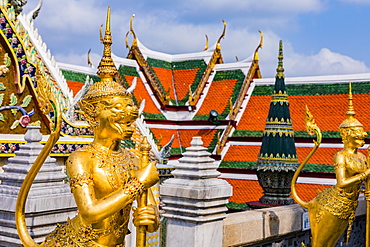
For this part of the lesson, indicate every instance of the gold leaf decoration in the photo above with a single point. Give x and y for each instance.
(1, 98)
(2, 117)
(2, 87)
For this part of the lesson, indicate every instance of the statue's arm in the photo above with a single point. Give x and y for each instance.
(82, 185)
(343, 180)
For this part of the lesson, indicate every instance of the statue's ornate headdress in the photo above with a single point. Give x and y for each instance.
(107, 71)
(350, 121)
(107, 86)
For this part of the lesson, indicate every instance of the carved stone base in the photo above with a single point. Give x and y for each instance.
(276, 187)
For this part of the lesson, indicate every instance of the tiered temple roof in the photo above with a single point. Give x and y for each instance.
(180, 91)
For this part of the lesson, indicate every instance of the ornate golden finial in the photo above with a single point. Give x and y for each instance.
(222, 36)
(256, 57)
(206, 47)
(126, 39)
(88, 58)
(280, 69)
(134, 42)
(351, 121)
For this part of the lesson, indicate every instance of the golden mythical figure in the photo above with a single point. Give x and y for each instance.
(333, 209)
(104, 178)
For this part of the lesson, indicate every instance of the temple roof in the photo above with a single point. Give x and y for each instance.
(180, 91)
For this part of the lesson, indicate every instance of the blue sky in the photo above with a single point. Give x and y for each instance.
(321, 37)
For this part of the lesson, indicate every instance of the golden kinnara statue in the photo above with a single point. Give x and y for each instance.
(104, 178)
(333, 209)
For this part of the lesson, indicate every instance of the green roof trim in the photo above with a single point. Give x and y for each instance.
(314, 89)
(158, 63)
(247, 133)
(237, 205)
(181, 65)
(297, 133)
(153, 115)
(201, 117)
(78, 77)
(177, 150)
(237, 164)
(249, 164)
(325, 134)
(318, 168)
(128, 70)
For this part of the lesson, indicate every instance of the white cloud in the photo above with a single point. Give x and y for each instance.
(325, 62)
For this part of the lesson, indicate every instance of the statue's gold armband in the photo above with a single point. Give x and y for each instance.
(80, 180)
(339, 165)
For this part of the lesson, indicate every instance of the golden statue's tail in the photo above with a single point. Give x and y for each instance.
(48, 103)
(312, 129)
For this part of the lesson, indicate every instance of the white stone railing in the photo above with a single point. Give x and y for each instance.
(257, 226)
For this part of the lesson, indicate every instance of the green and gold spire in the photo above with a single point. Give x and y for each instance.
(278, 155)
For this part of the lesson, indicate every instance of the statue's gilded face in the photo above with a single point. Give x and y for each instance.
(117, 116)
(356, 136)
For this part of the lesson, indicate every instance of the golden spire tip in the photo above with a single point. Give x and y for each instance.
(280, 68)
(106, 68)
(351, 110)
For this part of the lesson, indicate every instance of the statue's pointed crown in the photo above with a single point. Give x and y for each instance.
(350, 121)
(107, 71)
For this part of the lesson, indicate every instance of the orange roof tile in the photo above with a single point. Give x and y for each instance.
(249, 190)
(75, 86)
(328, 111)
(185, 136)
(182, 79)
(242, 153)
(255, 114)
(140, 93)
(218, 97)
(165, 76)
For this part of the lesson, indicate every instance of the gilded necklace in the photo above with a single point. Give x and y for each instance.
(117, 164)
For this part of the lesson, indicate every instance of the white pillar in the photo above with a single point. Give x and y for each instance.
(195, 200)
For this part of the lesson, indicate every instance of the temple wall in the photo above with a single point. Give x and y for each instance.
(281, 226)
